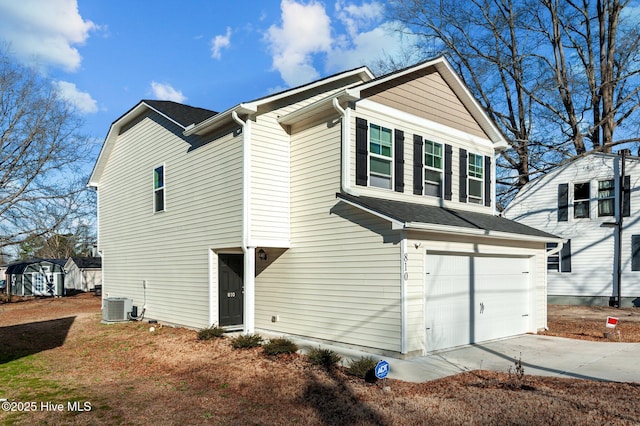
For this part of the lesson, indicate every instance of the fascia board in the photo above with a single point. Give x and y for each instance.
(314, 108)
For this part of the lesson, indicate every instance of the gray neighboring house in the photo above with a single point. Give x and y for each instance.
(83, 273)
(36, 277)
(354, 210)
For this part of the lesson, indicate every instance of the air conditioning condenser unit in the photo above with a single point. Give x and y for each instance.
(116, 309)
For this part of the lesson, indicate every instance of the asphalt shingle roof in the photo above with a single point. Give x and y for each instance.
(419, 213)
(87, 262)
(185, 115)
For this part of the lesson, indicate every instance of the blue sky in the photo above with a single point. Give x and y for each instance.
(105, 56)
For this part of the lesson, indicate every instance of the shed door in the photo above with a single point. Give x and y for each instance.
(230, 285)
(471, 298)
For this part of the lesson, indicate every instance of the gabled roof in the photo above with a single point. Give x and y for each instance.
(442, 66)
(86, 262)
(404, 215)
(19, 266)
(182, 115)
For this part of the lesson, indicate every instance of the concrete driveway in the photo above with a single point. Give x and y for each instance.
(541, 355)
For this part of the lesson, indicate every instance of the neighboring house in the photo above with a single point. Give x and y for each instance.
(36, 277)
(584, 201)
(353, 210)
(83, 273)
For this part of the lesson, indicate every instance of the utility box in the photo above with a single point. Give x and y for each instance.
(116, 309)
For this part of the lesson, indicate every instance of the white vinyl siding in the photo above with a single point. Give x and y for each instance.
(270, 186)
(339, 280)
(592, 244)
(169, 251)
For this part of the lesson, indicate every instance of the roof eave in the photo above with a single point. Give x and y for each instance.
(455, 230)
(314, 108)
(218, 119)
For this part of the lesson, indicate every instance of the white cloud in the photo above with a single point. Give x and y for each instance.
(165, 92)
(44, 32)
(81, 100)
(307, 39)
(355, 17)
(220, 42)
(305, 30)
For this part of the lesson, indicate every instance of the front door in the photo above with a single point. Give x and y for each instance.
(230, 285)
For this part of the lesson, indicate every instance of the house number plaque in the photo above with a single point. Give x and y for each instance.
(231, 294)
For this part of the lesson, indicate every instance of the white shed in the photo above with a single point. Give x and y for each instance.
(83, 273)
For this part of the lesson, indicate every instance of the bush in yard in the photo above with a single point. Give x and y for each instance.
(279, 346)
(245, 341)
(210, 333)
(324, 357)
(363, 368)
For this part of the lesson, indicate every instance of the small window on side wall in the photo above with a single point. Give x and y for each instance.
(158, 189)
(606, 198)
(476, 178)
(581, 195)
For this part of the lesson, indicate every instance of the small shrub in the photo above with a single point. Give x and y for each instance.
(279, 346)
(516, 376)
(363, 368)
(210, 333)
(324, 357)
(246, 341)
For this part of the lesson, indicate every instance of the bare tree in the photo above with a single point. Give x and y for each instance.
(42, 190)
(559, 77)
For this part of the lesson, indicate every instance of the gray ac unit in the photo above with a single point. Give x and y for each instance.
(116, 309)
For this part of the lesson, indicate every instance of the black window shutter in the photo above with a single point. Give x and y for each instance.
(361, 151)
(399, 160)
(626, 196)
(565, 257)
(463, 175)
(635, 252)
(563, 202)
(418, 174)
(448, 171)
(487, 181)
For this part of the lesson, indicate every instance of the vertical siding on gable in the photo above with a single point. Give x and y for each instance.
(169, 249)
(437, 102)
(340, 279)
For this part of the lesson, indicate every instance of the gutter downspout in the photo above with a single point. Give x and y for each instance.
(249, 252)
(345, 178)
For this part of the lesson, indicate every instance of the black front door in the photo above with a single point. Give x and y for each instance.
(230, 284)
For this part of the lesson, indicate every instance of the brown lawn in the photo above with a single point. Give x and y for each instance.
(56, 351)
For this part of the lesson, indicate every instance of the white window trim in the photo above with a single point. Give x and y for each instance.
(480, 179)
(391, 159)
(164, 188)
(434, 169)
(612, 198)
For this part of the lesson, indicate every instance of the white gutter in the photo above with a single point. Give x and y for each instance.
(249, 252)
(345, 179)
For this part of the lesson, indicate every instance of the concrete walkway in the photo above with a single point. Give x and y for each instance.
(540, 355)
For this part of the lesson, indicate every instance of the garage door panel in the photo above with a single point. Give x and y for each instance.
(474, 298)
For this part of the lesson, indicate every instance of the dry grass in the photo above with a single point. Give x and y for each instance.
(56, 350)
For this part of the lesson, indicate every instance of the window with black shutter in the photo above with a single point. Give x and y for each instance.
(362, 151)
(399, 160)
(563, 202)
(463, 176)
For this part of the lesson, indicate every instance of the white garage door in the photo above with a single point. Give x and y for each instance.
(471, 299)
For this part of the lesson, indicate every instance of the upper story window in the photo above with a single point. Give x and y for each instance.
(581, 195)
(158, 189)
(380, 157)
(476, 178)
(606, 198)
(433, 168)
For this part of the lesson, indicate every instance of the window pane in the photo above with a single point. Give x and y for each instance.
(432, 176)
(432, 189)
(433, 154)
(475, 166)
(581, 209)
(380, 166)
(475, 188)
(159, 200)
(605, 207)
(380, 141)
(380, 181)
(581, 191)
(158, 177)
